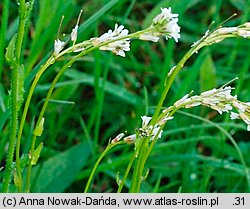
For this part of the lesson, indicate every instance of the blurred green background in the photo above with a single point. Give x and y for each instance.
(103, 95)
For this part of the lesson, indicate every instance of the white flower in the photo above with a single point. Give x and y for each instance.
(165, 119)
(246, 119)
(194, 104)
(208, 93)
(227, 30)
(184, 99)
(227, 107)
(130, 139)
(202, 38)
(244, 33)
(58, 46)
(165, 15)
(74, 33)
(149, 36)
(118, 138)
(165, 24)
(171, 71)
(234, 116)
(241, 108)
(145, 120)
(155, 131)
(117, 47)
(173, 30)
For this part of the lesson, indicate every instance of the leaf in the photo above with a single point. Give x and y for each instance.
(239, 4)
(39, 128)
(58, 172)
(207, 73)
(10, 51)
(36, 154)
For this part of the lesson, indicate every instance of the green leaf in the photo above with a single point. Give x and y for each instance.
(10, 51)
(207, 74)
(58, 172)
(36, 154)
(39, 128)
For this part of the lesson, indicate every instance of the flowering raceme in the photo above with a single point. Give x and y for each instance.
(165, 24)
(117, 47)
(220, 100)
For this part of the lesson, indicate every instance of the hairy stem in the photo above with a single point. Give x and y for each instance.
(14, 98)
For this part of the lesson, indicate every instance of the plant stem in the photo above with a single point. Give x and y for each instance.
(25, 111)
(144, 151)
(126, 173)
(13, 129)
(4, 24)
(170, 80)
(110, 146)
(14, 97)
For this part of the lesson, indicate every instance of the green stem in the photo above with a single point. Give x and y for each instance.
(126, 173)
(25, 111)
(170, 80)
(13, 129)
(42, 112)
(21, 29)
(40, 72)
(139, 167)
(4, 24)
(14, 98)
(110, 146)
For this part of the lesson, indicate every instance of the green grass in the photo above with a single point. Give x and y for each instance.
(102, 95)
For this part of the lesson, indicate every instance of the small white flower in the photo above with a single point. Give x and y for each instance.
(184, 99)
(58, 46)
(208, 93)
(117, 47)
(155, 131)
(227, 30)
(197, 42)
(145, 120)
(165, 24)
(239, 107)
(244, 33)
(79, 49)
(194, 104)
(227, 107)
(130, 139)
(173, 29)
(165, 119)
(118, 138)
(74, 33)
(247, 24)
(234, 116)
(165, 15)
(210, 100)
(171, 71)
(246, 119)
(150, 36)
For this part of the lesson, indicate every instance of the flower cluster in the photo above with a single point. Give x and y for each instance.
(118, 41)
(224, 32)
(58, 46)
(164, 24)
(145, 131)
(220, 100)
(243, 112)
(117, 47)
(148, 130)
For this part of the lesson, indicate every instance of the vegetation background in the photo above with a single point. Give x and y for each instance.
(103, 95)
